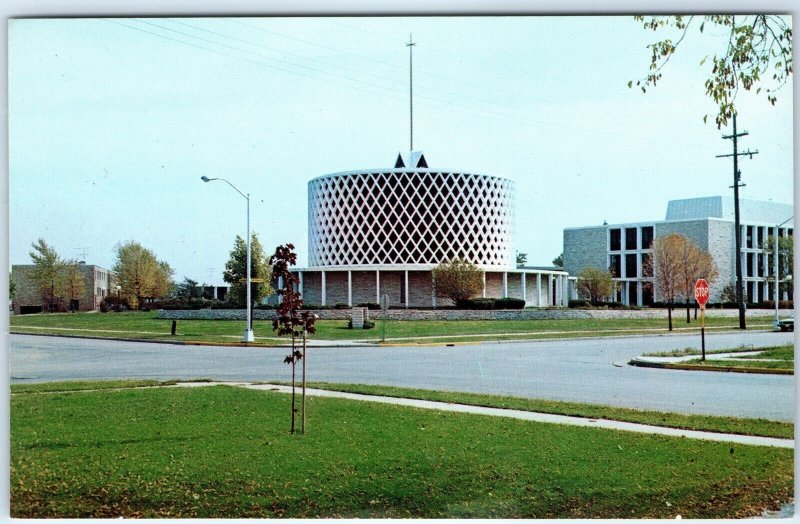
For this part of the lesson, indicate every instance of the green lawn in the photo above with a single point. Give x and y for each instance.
(144, 326)
(225, 452)
(743, 426)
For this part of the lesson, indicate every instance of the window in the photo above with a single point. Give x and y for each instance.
(749, 235)
(615, 240)
(647, 294)
(630, 238)
(630, 266)
(615, 265)
(647, 269)
(633, 299)
(647, 237)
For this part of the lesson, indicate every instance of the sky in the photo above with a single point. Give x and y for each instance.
(112, 122)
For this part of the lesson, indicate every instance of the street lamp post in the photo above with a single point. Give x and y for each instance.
(248, 332)
(775, 266)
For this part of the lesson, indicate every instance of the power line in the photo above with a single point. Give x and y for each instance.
(515, 119)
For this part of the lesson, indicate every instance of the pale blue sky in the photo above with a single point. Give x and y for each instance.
(112, 123)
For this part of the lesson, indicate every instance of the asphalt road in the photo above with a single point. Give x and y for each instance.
(582, 370)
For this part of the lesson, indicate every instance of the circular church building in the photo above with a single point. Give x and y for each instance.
(380, 232)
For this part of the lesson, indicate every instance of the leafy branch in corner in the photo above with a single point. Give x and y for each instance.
(758, 53)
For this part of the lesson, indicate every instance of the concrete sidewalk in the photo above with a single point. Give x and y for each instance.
(521, 415)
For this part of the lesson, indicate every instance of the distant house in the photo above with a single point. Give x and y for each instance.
(99, 283)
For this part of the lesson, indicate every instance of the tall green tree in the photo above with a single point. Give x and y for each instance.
(140, 274)
(559, 260)
(757, 52)
(48, 275)
(187, 289)
(457, 280)
(74, 281)
(236, 271)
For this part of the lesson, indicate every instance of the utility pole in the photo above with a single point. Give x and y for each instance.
(410, 45)
(737, 177)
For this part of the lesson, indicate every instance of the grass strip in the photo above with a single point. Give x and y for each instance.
(777, 352)
(742, 426)
(145, 326)
(741, 365)
(83, 385)
(225, 452)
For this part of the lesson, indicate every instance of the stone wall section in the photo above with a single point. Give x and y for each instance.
(392, 283)
(363, 287)
(455, 314)
(335, 287)
(722, 246)
(420, 292)
(584, 248)
(514, 285)
(312, 287)
(494, 285)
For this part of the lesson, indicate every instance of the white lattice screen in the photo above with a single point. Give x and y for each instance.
(409, 216)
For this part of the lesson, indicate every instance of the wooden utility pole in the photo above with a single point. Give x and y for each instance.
(737, 177)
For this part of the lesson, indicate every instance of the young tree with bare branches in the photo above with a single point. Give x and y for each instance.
(290, 321)
(695, 263)
(665, 266)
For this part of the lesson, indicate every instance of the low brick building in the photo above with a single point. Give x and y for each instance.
(99, 282)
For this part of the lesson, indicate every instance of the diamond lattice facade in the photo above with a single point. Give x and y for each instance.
(379, 232)
(401, 216)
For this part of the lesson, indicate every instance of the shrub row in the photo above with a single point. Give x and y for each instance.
(491, 303)
(602, 305)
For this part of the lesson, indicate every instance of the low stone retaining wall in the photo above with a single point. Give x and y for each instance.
(460, 314)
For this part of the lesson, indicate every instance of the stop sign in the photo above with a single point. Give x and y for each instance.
(701, 292)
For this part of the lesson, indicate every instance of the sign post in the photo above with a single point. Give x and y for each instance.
(384, 310)
(701, 295)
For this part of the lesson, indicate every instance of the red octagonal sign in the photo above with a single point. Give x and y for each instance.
(701, 292)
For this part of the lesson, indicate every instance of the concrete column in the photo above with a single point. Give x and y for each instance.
(300, 284)
(550, 301)
(483, 292)
(565, 291)
(406, 288)
(505, 284)
(322, 291)
(538, 289)
(377, 286)
(524, 289)
(350, 288)
(433, 291)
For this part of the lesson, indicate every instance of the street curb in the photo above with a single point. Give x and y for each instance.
(730, 369)
(184, 342)
(378, 344)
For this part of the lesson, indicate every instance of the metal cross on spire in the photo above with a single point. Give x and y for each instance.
(410, 45)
